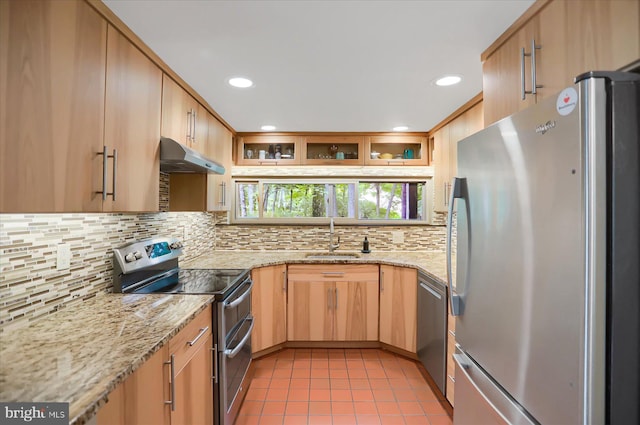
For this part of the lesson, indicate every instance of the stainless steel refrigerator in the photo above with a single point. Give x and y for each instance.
(547, 283)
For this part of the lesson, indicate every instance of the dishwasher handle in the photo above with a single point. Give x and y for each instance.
(431, 290)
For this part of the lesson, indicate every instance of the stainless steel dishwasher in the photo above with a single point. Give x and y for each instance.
(432, 328)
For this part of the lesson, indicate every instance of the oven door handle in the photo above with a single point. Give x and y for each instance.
(232, 353)
(241, 298)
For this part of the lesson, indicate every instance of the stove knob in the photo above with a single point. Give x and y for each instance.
(138, 255)
(175, 245)
(129, 257)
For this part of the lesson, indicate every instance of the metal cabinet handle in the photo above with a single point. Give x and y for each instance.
(284, 280)
(333, 273)
(189, 125)
(452, 378)
(452, 333)
(202, 332)
(336, 292)
(172, 366)
(214, 351)
(329, 299)
(193, 133)
(381, 280)
(105, 174)
(534, 84)
(115, 173)
(223, 193)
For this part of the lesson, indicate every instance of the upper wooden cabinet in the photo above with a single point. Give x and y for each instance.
(269, 307)
(396, 150)
(573, 37)
(398, 307)
(445, 158)
(263, 149)
(333, 150)
(52, 94)
(206, 191)
(219, 147)
(183, 119)
(132, 125)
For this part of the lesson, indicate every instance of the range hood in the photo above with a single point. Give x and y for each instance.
(177, 158)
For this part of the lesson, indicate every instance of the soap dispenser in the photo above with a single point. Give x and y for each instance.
(365, 246)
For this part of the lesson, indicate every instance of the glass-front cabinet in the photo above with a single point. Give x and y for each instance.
(268, 149)
(396, 150)
(332, 150)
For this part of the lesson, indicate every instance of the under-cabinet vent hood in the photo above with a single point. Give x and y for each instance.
(177, 158)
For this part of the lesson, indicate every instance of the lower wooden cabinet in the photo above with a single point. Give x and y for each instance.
(398, 307)
(145, 397)
(269, 307)
(332, 302)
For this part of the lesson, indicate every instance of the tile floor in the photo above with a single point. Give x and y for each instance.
(340, 386)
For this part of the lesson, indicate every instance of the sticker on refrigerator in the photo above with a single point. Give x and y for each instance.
(567, 101)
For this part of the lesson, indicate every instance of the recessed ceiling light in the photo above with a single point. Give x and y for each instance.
(240, 82)
(448, 80)
(268, 127)
(401, 128)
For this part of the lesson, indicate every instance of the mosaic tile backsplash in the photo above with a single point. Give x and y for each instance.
(32, 287)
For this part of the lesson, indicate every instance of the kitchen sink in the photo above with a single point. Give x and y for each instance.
(332, 256)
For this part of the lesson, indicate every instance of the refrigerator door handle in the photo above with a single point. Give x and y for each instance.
(458, 190)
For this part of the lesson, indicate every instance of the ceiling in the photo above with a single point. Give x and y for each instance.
(324, 65)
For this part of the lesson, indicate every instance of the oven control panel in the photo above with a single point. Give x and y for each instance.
(145, 253)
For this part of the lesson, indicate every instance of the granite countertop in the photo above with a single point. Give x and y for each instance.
(81, 352)
(432, 263)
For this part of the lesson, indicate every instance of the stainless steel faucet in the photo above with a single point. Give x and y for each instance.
(332, 247)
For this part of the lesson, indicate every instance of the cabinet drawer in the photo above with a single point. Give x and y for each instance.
(333, 272)
(180, 347)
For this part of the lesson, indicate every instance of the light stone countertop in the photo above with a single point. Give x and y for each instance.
(83, 351)
(433, 263)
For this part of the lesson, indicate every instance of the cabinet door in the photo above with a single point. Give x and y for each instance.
(581, 36)
(219, 148)
(398, 307)
(501, 78)
(309, 310)
(113, 413)
(177, 122)
(146, 391)
(52, 77)
(441, 180)
(356, 310)
(132, 125)
(193, 388)
(269, 307)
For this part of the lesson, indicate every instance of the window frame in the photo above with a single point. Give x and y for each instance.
(427, 201)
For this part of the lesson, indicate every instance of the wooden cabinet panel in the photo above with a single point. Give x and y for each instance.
(52, 84)
(574, 37)
(501, 77)
(250, 145)
(356, 311)
(140, 399)
(194, 388)
(269, 307)
(174, 111)
(219, 148)
(132, 125)
(322, 150)
(398, 307)
(580, 36)
(329, 302)
(309, 313)
(445, 151)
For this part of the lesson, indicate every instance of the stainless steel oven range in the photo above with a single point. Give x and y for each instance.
(151, 266)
